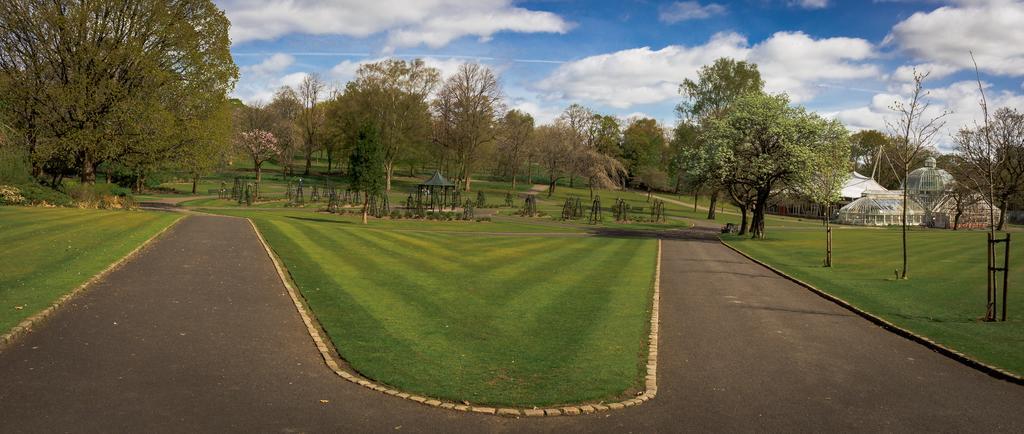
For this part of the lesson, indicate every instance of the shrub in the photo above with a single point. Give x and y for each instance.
(10, 195)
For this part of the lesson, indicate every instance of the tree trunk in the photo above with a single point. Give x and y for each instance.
(551, 187)
(956, 219)
(366, 207)
(513, 180)
(389, 170)
(743, 220)
(713, 205)
(329, 161)
(195, 181)
(828, 238)
(760, 205)
(309, 161)
(1002, 214)
(467, 182)
(696, 197)
(904, 225)
(259, 167)
(88, 174)
(648, 193)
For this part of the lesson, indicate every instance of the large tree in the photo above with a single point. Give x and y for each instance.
(765, 144)
(643, 143)
(366, 165)
(282, 119)
(101, 80)
(711, 95)
(311, 118)
(392, 95)
(467, 109)
(554, 152)
(514, 140)
(578, 122)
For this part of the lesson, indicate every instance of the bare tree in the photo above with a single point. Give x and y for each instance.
(311, 92)
(513, 140)
(579, 123)
(553, 152)
(285, 110)
(914, 130)
(467, 109)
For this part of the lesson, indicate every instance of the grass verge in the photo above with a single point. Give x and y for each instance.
(50, 251)
(500, 320)
(943, 298)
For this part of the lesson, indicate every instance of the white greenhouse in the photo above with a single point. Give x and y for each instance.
(881, 208)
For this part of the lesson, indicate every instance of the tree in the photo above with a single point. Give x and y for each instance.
(685, 139)
(717, 86)
(553, 151)
(763, 143)
(212, 143)
(392, 94)
(282, 119)
(467, 109)
(601, 170)
(260, 146)
(366, 165)
(606, 135)
(829, 169)
(311, 118)
(642, 145)
(515, 130)
(578, 122)
(107, 80)
(914, 131)
(994, 154)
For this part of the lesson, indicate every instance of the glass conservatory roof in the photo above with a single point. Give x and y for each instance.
(929, 178)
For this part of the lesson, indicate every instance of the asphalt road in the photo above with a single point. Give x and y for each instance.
(197, 334)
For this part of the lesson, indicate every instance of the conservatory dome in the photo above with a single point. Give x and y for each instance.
(929, 178)
(928, 184)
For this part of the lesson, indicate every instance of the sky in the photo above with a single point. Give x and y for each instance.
(847, 59)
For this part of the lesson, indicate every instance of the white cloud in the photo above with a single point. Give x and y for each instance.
(271, 65)
(688, 10)
(810, 4)
(790, 62)
(407, 23)
(991, 29)
(959, 98)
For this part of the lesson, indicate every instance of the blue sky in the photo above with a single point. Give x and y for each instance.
(847, 59)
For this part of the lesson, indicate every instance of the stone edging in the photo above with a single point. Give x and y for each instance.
(650, 380)
(991, 370)
(26, 325)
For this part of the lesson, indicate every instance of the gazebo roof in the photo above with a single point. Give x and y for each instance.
(437, 180)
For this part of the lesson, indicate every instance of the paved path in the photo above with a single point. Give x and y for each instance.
(197, 334)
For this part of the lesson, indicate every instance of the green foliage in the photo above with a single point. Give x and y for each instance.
(642, 145)
(366, 163)
(764, 145)
(125, 81)
(717, 86)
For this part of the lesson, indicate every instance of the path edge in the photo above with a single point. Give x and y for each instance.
(26, 325)
(312, 326)
(993, 371)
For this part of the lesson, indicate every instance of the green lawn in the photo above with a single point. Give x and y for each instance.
(943, 299)
(50, 251)
(489, 318)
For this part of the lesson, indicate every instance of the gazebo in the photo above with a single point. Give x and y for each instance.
(438, 190)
